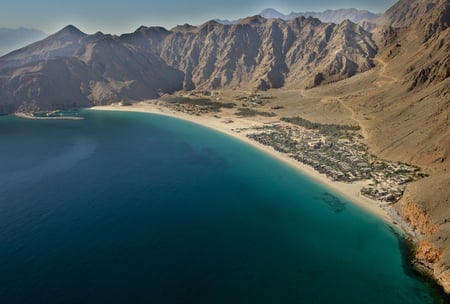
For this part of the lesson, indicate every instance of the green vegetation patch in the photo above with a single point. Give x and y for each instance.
(251, 112)
(205, 102)
(332, 130)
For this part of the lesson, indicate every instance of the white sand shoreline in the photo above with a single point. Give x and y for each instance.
(224, 125)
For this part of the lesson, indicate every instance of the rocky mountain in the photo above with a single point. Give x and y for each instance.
(71, 69)
(257, 53)
(12, 39)
(328, 16)
(262, 54)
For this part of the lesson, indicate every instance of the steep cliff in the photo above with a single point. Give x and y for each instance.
(426, 206)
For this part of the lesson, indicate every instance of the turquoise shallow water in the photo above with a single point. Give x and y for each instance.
(139, 208)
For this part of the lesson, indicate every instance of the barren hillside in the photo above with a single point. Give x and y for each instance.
(256, 54)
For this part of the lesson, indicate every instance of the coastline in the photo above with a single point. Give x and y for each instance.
(231, 125)
(300, 230)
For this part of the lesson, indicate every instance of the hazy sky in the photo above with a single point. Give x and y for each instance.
(120, 16)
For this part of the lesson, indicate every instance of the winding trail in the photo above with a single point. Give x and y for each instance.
(381, 74)
(364, 132)
(383, 71)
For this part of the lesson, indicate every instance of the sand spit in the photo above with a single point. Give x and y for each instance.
(31, 116)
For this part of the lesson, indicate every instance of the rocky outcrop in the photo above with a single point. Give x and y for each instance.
(416, 215)
(425, 206)
(427, 252)
(442, 274)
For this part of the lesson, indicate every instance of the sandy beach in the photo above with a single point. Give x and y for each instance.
(232, 125)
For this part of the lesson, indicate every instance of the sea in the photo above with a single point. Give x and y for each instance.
(127, 207)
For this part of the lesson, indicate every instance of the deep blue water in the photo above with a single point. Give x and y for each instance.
(139, 208)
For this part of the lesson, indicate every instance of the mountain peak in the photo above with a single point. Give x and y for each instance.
(271, 13)
(71, 30)
(211, 22)
(346, 23)
(253, 20)
(209, 25)
(183, 28)
(142, 28)
(152, 29)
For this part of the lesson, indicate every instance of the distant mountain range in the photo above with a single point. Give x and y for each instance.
(72, 69)
(328, 16)
(12, 39)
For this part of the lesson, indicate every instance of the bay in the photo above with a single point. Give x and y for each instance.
(140, 208)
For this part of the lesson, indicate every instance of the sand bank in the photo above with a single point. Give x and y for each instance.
(31, 116)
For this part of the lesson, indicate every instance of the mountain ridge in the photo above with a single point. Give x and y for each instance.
(259, 53)
(327, 16)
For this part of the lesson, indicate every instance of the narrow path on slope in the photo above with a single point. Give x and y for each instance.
(354, 117)
(383, 71)
(361, 125)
